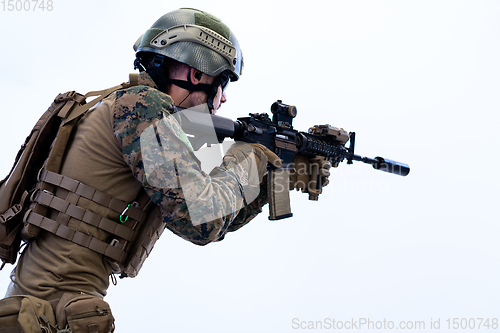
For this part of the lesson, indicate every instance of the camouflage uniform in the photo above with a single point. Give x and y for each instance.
(132, 140)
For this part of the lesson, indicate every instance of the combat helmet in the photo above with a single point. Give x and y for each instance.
(195, 38)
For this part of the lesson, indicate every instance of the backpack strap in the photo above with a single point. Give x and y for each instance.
(72, 112)
(81, 109)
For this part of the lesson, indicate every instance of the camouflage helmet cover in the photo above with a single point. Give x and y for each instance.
(195, 38)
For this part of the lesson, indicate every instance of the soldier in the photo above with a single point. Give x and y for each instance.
(131, 150)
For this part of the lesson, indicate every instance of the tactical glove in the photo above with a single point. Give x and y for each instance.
(306, 172)
(246, 153)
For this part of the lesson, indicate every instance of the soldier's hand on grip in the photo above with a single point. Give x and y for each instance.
(246, 153)
(310, 175)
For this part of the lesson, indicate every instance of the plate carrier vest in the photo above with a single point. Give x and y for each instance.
(27, 194)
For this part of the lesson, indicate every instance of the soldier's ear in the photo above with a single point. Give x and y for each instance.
(195, 76)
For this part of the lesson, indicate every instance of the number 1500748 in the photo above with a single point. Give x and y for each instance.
(27, 5)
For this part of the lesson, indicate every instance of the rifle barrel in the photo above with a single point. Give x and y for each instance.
(383, 164)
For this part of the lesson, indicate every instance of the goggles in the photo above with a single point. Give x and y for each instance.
(222, 80)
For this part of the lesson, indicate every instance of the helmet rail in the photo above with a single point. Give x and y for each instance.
(196, 34)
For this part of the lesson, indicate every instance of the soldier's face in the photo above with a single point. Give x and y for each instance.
(219, 99)
(200, 97)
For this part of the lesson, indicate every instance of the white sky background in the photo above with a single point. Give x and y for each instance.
(419, 83)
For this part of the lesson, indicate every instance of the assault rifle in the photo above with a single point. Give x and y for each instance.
(278, 135)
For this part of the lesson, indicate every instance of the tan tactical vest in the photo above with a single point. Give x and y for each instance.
(133, 234)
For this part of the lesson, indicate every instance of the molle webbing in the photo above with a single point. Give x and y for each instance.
(131, 242)
(88, 192)
(67, 209)
(74, 236)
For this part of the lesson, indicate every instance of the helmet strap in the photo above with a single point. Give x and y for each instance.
(209, 89)
(188, 85)
(160, 77)
(138, 65)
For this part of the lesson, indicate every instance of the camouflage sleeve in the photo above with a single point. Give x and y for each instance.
(251, 210)
(198, 207)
